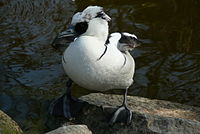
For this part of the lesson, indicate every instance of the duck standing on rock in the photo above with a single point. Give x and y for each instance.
(96, 61)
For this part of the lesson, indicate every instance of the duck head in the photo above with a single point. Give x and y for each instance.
(92, 21)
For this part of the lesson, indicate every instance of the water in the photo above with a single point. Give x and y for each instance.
(167, 64)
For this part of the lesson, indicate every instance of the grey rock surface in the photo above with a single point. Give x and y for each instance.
(71, 129)
(149, 116)
(146, 106)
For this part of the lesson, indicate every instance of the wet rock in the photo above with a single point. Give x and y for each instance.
(149, 116)
(71, 129)
(7, 125)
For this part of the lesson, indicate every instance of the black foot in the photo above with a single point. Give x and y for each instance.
(66, 106)
(118, 115)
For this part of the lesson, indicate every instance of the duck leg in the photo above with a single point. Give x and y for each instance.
(122, 113)
(66, 105)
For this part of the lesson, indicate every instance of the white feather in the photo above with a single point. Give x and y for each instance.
(113, 71)
(86, 15)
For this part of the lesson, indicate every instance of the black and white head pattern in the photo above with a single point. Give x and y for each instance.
(123, 41)
(80, 19)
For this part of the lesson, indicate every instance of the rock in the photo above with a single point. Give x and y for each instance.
(149, 116)
(146, 106)
(7, 125)
(71, 129)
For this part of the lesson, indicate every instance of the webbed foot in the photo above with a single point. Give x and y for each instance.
(118, 115)
(66, 106)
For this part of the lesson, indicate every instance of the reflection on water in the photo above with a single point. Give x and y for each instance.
(167, 64)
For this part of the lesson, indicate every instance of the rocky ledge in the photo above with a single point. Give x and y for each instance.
(71, 129)
(149, 116)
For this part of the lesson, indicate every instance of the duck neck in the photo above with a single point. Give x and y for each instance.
(98, 28)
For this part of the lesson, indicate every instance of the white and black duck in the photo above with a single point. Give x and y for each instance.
(96, 61)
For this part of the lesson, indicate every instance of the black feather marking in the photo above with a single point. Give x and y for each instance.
(124, 60)
(108, 41)
(127, 39)
(81, 27)
(103, 53)
(64, 59)
(100, 14)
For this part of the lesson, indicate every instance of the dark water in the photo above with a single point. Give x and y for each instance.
(167, 64)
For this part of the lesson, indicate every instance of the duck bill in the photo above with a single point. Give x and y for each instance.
(67, 33)
(64, 38)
